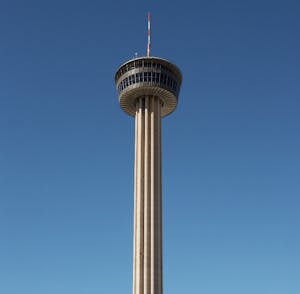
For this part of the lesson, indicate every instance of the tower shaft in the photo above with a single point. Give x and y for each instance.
(147, 255)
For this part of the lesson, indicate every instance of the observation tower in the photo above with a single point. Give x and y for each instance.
(148, 89)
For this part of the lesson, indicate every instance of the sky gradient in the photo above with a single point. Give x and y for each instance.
(231, 160)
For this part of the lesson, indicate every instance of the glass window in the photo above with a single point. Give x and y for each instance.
(141, 77)
(157, 77)
(175, 85)
(130, 66)
(145, 76)
(168, 81)
(133, 79)
(154, 77)
(164, 79)
(161, 78)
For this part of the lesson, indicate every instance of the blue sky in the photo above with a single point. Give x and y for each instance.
(231, 161)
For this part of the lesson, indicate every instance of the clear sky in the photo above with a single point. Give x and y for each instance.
(231, 160)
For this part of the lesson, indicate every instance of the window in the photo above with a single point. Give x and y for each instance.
(139, 63)
(147, 76)
(168, 81)
(164, 79)
(175, 85)
(161, 78)
(157, 77)
(153, 77)
(141, 77)
(130, 66)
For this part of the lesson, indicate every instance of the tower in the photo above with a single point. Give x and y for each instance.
(148, 89)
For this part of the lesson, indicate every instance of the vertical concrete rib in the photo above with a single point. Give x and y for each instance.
(139, 274)
(152, 197)
(154, 205)
(159, 200)
(135, 196)
(147, 200)
(157, 160)
(156, 273)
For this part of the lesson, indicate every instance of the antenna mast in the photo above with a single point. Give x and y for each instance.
(149, 35)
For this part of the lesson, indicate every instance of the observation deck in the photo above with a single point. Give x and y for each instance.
(148, 76)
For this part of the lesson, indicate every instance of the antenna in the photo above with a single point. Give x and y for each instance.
(149, 35)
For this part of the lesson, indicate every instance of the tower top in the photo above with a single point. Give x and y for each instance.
(148, 76)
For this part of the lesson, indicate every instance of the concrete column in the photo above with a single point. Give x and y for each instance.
(147, 200)
(147, 259)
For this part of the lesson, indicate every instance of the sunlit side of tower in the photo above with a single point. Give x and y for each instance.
(148, 89)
